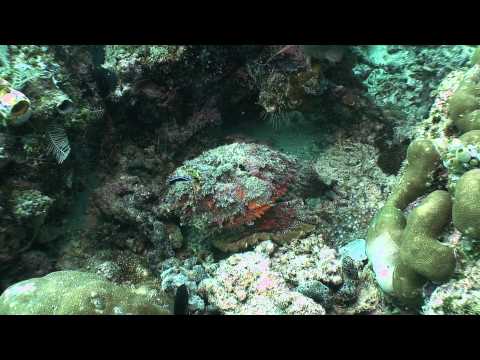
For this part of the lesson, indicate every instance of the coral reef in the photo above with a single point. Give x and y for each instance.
(257, 179)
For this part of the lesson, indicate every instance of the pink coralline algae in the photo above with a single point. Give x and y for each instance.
(265, 283)
(246, 284)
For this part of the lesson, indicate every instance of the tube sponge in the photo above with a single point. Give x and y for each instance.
(420, 249)
(466, 204)
(14, 105)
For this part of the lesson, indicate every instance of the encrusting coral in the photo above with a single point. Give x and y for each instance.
(75, 292)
